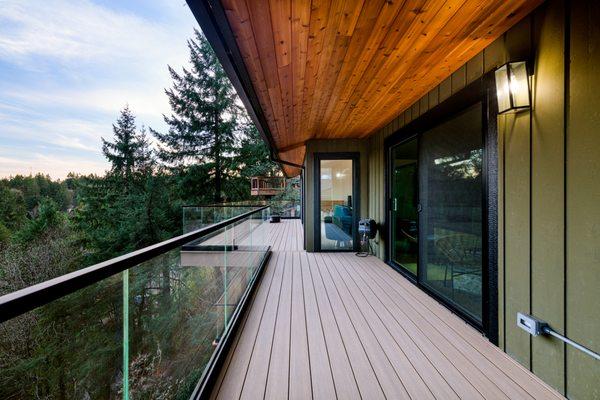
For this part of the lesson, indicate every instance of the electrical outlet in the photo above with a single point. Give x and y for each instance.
(531, 324)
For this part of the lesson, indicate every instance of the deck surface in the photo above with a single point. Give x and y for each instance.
(334, 325)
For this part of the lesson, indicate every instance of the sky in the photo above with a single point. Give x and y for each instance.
(67, 67)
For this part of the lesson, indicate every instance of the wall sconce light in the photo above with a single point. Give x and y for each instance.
(512, 87)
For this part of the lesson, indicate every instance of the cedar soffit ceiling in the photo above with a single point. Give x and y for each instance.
(343, 69)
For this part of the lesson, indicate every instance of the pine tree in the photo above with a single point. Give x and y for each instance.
(204, 120)
(129, 153)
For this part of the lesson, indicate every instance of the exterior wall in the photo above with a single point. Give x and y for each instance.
(332, 146)
(548, 189)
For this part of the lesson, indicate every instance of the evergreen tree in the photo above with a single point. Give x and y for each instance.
(12, 209)
(204, 119)
(48, 217)
(253, 158)
(130, 152)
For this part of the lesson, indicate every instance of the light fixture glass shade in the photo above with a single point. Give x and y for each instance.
(502, 89)
(512, 87)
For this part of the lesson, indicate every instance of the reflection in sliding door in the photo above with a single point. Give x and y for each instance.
(451, 221)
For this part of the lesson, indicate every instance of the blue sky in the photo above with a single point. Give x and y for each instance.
(68, 66)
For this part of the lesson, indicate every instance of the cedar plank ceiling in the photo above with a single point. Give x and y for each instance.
(331, 69)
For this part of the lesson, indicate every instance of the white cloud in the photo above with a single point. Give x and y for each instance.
(76, 32)
(148, 102)
(56, 167)
(66, 133)
(94, 57)
(78, 63)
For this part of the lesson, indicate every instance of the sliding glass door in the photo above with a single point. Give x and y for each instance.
(404, 205)
(451, 195)
(436, 210)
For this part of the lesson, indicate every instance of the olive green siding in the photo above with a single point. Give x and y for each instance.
(548, 189)
(332, 146)
(583, 200)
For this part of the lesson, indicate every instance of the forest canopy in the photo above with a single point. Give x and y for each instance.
(70, 348)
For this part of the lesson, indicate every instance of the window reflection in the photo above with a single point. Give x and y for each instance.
(451, 191)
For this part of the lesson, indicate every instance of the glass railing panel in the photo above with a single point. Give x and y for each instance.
(147, 332)
(175, 320)
(196, 217)
(286, 208)
(71, 348)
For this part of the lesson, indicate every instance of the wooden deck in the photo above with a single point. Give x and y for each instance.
(334, 325)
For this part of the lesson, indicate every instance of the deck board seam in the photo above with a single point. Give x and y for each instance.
(305, 271)
(408, 335)
(467, 357)
(391, 365)
(469, 343)
(258, 330)
(290, 342)
(275, 329)
(306, 326)
(272, 276)
(392, 336)
(315, 264)
(362, 346)
(380, 310)
(433, 342)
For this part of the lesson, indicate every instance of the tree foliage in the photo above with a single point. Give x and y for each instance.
(129, 154)
(204, 120)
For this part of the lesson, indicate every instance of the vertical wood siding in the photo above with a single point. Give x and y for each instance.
(548, 189)
(583, 200)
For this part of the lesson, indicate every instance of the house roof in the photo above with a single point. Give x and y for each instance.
(327, 69)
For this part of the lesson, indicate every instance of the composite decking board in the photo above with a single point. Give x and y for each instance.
(300, 385)
(346, 385)
(245, 335)
(443, 362)
(412, 335)
(279, 362)
(352, 324)
(255, 379)
(396, 339)
(323, 386)
(466, 361)
(484, 387)
(233, 381)
(504, 363)
(394, 371)
(369, 384)
(472, 344)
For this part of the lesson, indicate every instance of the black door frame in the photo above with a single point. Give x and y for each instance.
(482, 90)
(388, 210)
(355, 157)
